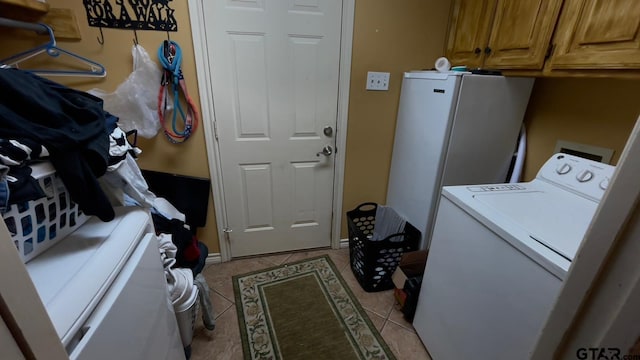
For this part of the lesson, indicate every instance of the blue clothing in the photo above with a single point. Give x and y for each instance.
(111, 122)
(4, 195)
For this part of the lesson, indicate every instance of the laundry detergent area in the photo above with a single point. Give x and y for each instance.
(167, 166)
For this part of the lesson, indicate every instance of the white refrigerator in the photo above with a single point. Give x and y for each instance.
(453, 128)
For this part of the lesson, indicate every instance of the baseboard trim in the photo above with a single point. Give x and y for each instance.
(216, 258)
(213, 258)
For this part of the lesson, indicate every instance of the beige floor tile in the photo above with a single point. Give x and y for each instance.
(398, 318)
(223, 343)
(339, 257)
(277, 259)
(377, 321)
(404, 343)
(220, 303)
(219, 275)
(379, 302)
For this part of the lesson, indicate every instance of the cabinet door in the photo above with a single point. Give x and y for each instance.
(521, 33)
(469, 31)
(598, 34)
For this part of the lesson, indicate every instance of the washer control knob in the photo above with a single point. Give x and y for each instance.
(584, 176)
(604, 184)
(563, 169)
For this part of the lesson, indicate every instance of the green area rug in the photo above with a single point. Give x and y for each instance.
(304, 310)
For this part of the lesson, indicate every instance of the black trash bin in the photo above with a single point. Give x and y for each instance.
(373, 262)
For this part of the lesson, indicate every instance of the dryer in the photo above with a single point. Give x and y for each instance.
(498, 258)
(104, 289)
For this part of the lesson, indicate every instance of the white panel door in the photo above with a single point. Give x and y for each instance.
(274, 67)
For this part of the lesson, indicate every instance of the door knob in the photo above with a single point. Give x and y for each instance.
(326, 151)
(477, 51)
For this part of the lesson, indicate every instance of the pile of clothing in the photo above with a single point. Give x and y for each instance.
(184, 288)
(71, 125)
(183, 257)
(43, 120)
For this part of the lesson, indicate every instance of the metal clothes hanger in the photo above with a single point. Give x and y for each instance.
(51, 49)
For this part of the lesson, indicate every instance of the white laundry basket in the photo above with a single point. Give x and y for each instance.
(37, 225)
(186, 316)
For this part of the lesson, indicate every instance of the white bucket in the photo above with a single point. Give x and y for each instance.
(186, 317)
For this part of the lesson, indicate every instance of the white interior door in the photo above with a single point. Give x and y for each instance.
(274, 67)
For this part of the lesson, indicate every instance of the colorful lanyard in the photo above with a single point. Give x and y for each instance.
(170, 57)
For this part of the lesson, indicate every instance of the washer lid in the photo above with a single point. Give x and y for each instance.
(72, 276)
(557, 219)
(433, 75)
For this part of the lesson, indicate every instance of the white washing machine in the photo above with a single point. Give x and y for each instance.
(104, 289)
(499, 256)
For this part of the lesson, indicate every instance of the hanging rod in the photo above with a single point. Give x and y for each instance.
(23, 25)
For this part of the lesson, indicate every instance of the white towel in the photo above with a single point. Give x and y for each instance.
(388, 222)
(166, 209)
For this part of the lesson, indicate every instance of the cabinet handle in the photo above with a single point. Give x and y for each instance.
(477, 51)
(487, 50)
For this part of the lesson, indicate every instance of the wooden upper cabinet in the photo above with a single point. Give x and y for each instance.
(521, 33)
(469, 31)
(598, 34)
(25, 10)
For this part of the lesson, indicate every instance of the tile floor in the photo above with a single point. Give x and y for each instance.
(224, 342)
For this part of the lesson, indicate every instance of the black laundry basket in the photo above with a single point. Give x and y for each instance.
(373, 262)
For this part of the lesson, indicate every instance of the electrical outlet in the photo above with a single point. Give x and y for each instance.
(377, 81)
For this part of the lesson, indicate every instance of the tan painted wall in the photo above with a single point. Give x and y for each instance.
(390, 36)
(600, 112)
(158, 154)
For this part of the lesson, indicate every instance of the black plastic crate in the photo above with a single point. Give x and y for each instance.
(373, 262)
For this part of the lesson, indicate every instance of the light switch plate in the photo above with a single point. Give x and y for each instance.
(377, 81)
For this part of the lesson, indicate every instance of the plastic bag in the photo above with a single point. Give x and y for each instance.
(135, 101)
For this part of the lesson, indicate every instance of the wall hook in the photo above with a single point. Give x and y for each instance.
(101, 38)
(135, 37)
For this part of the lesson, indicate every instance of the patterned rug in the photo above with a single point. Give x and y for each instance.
(304, 310)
